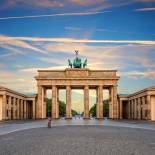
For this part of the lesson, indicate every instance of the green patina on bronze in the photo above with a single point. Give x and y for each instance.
(77, 63)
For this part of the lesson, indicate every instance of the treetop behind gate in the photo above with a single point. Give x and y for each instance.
(77, 62)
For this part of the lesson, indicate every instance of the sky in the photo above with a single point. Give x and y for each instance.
(36, 34)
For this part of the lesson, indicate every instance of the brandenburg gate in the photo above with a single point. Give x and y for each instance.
(77, 76)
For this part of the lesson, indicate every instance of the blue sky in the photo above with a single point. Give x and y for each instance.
(36, 34)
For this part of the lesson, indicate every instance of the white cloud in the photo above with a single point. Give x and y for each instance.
(145, 9)
(6, 42)
(71, 40)
(140, 74)
(54, 15)
(18, 81)
(121, 57)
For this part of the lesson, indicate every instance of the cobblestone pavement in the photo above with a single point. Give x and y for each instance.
(79, 140)
(12, 126)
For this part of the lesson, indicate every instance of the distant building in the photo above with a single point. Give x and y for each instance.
(140, 105)
(14, 105)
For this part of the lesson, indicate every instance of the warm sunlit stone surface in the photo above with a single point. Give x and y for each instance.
(82, 140)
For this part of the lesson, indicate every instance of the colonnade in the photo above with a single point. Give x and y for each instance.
(139, 108)
(15, 107)
(113, 105)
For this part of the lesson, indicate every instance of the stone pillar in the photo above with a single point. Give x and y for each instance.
(86, 102)
(68, 103)
(39, 102)
(33, 109)
(120, 111)
(135, 109)
(54, 103)
(25, 110)
(17, 108)
(4, 107)
(143, 108)
(132, 107)
(148, 98)
(139, 108)
(129, 109)
(22, 110)
(99, 105)
(44, 103)
(111, 103)
(9, 107)
(115, 103)
(14, 108)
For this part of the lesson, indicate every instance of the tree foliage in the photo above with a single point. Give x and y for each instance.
(62, 108)
(92, 111)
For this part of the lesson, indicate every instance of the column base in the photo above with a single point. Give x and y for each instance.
(55, 118)
(86, 118)
(68, 118)
(100, 118)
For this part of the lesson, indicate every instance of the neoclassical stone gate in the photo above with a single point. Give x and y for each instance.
(77, 78)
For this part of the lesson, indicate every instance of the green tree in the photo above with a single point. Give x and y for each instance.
(92, 111)
(62, 108)
(74, 112)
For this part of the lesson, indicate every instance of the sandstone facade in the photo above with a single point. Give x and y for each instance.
(14, 105)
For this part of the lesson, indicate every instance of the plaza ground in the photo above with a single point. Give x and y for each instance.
(77, 137)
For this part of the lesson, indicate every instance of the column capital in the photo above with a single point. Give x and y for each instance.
(68, 87)
(86, 87)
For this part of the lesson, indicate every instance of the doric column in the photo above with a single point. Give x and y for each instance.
(120, 110)
(14, 108)
(33, 109)
(115, 103)
(40, 101)
(9, 107)
(86, 102)
(17, 108)
(99, 105)
(54, 102)
(129, 109)
(143, 108)
(111, 102)
(25, 109)
(22, 109)
(139, 108)
(4, 107)
(152, 108)
(148, 99)
(44, 103)
(133, 108)
(68, 103)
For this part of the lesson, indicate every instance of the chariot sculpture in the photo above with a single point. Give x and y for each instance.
(77, 63)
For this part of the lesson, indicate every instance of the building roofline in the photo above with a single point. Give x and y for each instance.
(143, 90)
(63, 70)
(12, 91)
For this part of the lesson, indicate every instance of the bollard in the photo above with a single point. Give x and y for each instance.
(49, 123)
